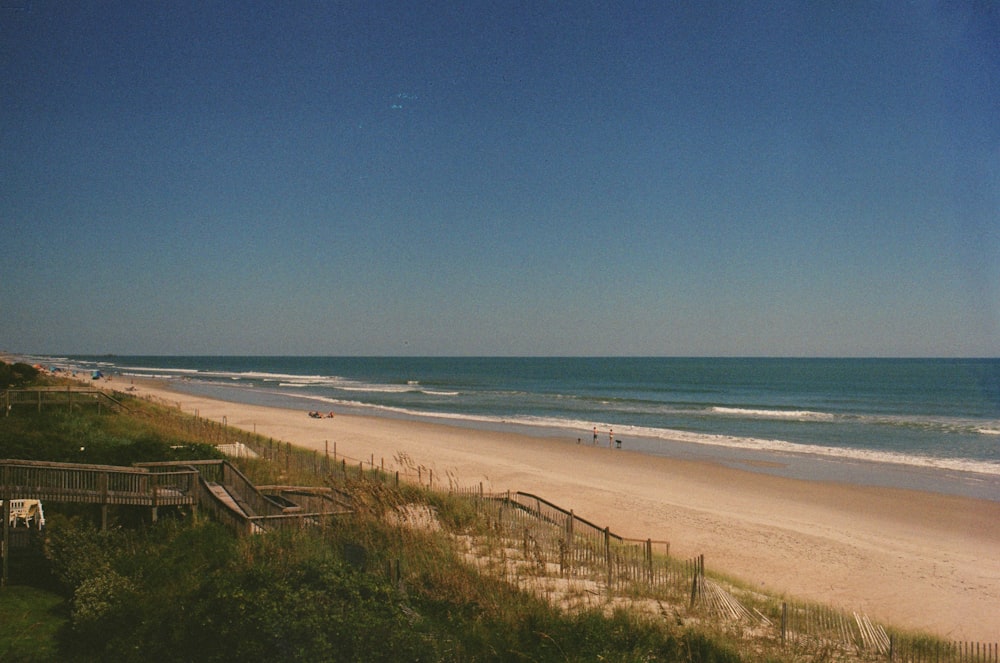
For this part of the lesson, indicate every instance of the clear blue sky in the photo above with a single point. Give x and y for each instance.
(497, 178)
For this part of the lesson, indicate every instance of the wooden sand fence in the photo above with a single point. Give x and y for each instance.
(923, 650)
(809, 625)
(558, 541)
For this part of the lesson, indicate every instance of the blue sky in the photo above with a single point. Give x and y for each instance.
(500, 178)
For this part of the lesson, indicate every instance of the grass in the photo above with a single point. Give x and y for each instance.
(30, 621)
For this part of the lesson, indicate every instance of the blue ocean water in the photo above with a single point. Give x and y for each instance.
(938, 416)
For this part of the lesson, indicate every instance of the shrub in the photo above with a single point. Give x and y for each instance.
(17, 375)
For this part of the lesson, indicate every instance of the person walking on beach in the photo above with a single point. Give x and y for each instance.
(611, 438)
(595, 435)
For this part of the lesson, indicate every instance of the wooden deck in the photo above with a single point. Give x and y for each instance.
(97, 484)
(216, 486)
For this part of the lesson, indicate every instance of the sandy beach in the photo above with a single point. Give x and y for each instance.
(913, 559)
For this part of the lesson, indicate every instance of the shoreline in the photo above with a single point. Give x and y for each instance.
(911, 558)
(810, 464)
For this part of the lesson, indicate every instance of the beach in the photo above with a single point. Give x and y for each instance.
(913, 559)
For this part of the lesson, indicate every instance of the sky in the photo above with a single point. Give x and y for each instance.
(500, 178)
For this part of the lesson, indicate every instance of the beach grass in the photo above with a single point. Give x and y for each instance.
(30, 621)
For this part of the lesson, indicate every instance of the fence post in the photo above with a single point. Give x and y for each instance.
(5, 543)
(784, 621)
(153, 487)
(607, 554)
(103, 483)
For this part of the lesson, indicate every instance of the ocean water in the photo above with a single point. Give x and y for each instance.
(911, 422)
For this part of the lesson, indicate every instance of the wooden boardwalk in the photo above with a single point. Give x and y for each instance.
(215, 485)
(98, 484)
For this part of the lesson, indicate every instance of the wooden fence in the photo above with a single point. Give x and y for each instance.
(529, 538)
(922, 650)
(97, 484)
(40, 398)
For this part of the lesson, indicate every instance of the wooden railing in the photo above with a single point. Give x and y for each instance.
(257, 511)
(61, 397)
(224, 473)
(96, 484)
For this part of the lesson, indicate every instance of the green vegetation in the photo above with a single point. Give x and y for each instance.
(17, 375)
(30, 620)
(82, 437)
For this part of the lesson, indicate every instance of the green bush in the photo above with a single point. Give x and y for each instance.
(76, 550)
(17, 375)
(88, 437)
(30, 619)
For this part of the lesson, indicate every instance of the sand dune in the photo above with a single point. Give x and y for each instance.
(913, 559)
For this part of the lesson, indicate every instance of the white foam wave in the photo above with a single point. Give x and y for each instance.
(290, 380)
(410, 387)
(278, 377)
(988, 431)
(380, 388)
(773, 414)
(150, 376)
(845, 453)
(128, 370)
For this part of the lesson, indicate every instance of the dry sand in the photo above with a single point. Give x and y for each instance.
(910, 558)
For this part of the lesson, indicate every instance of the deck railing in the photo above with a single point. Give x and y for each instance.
(70, 398)
(102, 484)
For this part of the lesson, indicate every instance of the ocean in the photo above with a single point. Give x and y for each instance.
(920, 423)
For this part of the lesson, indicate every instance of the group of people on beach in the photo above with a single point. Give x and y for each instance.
(612, 442)
(319, 415)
